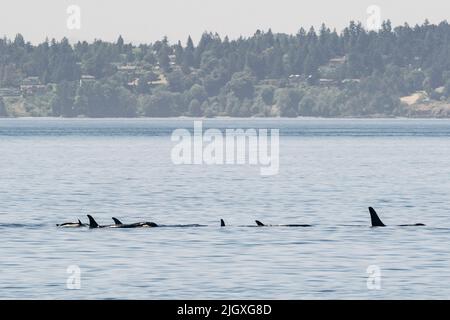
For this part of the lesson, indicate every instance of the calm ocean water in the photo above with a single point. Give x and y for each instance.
(55, 170)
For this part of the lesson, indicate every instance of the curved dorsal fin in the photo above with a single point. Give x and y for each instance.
(79, 222)
(259, 223)
(222, 223)
(376, 221)
(92, 222)
(116, 221)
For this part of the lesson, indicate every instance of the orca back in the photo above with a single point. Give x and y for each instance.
(117, 221)
(92, 223)
(151, 224)
(412, 225)
(376, 221)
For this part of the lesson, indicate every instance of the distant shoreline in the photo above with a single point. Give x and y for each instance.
(355, 73)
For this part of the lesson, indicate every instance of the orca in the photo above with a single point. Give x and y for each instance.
(376, 221)
(93, 224)
(119, 224)
(144, 224)
(78, 224)
(116, 221)
(260, 224)
(138, 225)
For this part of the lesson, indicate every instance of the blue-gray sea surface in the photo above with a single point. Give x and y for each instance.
(59, 170)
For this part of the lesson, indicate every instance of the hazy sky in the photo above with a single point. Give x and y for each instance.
(150, 20)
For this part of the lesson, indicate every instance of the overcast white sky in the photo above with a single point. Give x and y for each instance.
(149, 20)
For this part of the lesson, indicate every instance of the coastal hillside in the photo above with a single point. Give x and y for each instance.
(396, 71)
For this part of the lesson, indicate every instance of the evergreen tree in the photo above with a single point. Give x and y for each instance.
(3, 112)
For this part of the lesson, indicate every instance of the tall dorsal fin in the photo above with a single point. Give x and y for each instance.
(79, 222)
(222, 223)
(116, 221)
(259, 223)
(376, 221)
(92, 222)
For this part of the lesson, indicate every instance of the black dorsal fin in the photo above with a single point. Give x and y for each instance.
(259, 223)
(222, 223)
(116, 221)
(92, 222)
(376, 221)
(79, 222)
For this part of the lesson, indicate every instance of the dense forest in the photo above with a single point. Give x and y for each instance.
(401, 71)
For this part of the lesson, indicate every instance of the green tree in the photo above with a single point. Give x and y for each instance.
(241, 84)
(163, 58)
(3, 112)
(306, 106)
(195, 109)
(188, 54)
(120, 44)
(197, 92)
(161, 104)
(287, 101)
(62, 103)
(267, 95)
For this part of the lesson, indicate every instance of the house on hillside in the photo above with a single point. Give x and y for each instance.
(350, 81)
(30, 81)
(160, 81)
(9, 92)
(328, 82)
(295, 79)
(86, 78)
(130, 71)
(127, 68)
(172, 59)
(337, 60)
(133, 84)
(32, 86)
